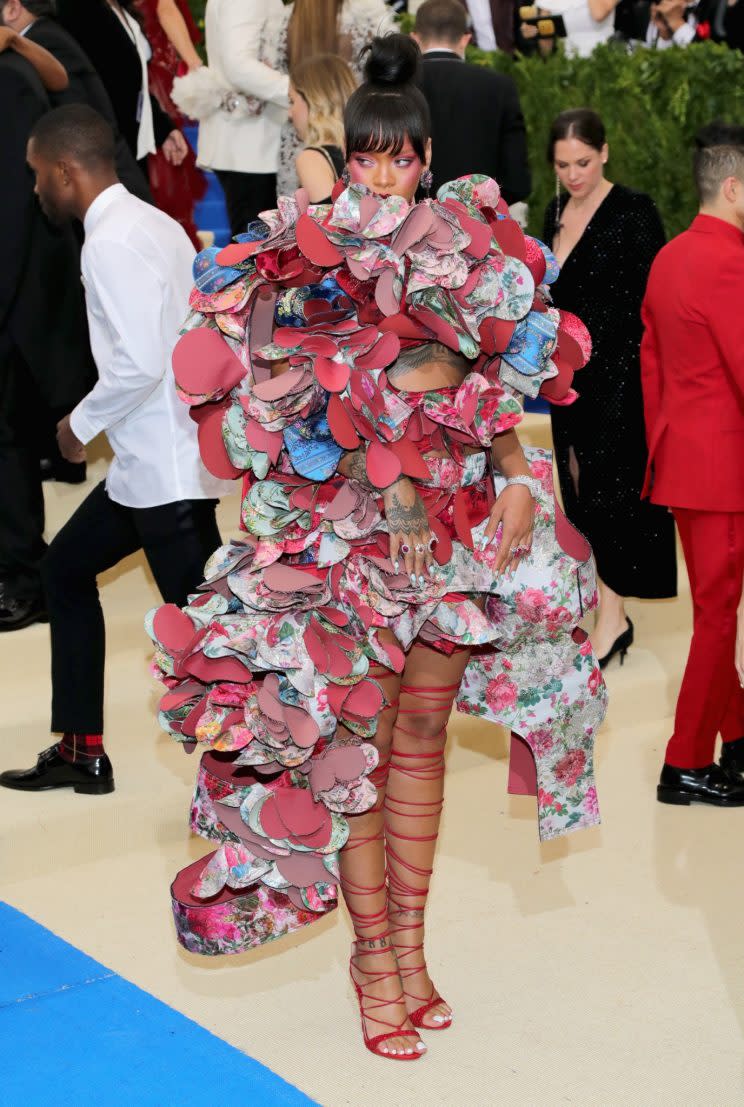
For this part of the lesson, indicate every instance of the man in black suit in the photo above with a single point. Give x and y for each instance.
(477, 121)
(34, 19)
(45, 361)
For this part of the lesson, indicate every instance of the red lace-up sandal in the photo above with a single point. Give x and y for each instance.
(368, 908)
(408, 878)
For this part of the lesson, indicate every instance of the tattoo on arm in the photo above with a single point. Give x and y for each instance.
(353, 465)
(406, 518)
(428, 354)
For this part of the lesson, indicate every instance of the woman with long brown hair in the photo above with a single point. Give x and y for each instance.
(342, 27)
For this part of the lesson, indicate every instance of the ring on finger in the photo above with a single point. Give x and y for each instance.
(432, 542)
(420, 548)
(405, 548)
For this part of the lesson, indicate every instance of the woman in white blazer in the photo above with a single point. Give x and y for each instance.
(240, 140)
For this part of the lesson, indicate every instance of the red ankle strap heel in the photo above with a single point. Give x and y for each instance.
(368, 1004)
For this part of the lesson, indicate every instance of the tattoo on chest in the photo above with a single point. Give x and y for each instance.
(429, 354)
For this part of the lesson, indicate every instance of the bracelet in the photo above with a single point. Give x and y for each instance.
(532, 484)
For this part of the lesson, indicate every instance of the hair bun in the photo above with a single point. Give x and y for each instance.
(392, 60)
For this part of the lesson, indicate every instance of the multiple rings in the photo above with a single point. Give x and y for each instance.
(419, 548)
(517, 551)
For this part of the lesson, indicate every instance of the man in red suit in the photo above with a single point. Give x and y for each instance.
(692, 362)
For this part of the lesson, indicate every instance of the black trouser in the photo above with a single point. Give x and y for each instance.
(22, 542)
(177, 539)
(246, 194)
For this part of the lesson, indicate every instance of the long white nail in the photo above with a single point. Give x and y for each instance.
(396, 565)
(421, 1047)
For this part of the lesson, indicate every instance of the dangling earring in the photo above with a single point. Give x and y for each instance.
(557, 192)
(426, 181)
(346, 177)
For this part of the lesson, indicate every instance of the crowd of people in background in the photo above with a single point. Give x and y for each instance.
(269, 92)
(317, 95)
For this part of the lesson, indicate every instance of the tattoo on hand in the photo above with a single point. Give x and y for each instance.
(405, 518)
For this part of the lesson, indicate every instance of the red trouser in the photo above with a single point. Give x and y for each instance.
(710, 700)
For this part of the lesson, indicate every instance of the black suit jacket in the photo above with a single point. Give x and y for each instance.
(100, 33)
(477, 124)
(42, 309)
(86, 87)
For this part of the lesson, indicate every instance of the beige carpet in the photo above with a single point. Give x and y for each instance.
(604, 969)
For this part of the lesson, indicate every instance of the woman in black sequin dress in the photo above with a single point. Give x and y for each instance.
(605, 236)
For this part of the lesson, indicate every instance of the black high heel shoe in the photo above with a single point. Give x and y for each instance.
(621, 645)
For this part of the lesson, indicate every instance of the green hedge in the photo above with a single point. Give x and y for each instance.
(652, 103)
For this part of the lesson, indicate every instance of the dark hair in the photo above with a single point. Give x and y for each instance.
(40, 8)
(389, 106)
(581, 123)
(719, 153)
(75, 131)
(441, 21)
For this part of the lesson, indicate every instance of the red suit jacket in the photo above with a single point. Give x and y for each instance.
(692, 367)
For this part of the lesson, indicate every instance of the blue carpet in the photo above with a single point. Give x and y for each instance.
(72, 1032)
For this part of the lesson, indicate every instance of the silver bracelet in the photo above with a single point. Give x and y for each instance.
(532, 484)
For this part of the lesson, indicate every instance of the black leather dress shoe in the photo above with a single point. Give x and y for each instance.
(711, 784)
(732, 759)
(93, 777)
(17, 612)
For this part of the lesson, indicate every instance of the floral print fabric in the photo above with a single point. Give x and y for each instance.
(268, 666)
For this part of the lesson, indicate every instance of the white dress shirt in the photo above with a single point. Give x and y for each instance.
(482, 20)
(136, 268)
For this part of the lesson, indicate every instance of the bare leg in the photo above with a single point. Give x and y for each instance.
(611, 620)
(363, 883)
(413, 807)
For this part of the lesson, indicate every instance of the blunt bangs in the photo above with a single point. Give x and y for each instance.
(380, 120)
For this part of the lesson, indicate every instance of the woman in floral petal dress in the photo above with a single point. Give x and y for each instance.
(362, 364)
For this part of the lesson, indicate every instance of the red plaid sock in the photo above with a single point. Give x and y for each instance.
(80, 747)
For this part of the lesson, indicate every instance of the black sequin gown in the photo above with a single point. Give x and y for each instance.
(603, 281)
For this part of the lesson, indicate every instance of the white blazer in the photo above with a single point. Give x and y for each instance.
(242, 38)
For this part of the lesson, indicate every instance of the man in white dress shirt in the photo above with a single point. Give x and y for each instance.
(136, 268)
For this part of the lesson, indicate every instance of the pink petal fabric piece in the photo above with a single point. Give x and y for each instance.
(299, 812)
(331, 375)
(383, 467)
(277, 387)
(285, 578)
(173, 628)
(268, 442)
(213, 669)
(212, 445)
(314, 244)
(302, 870)
(204, 364)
